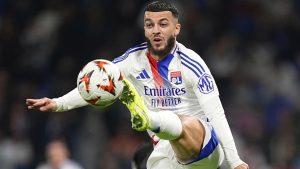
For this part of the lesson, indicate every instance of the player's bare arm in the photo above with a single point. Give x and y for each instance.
(44, 104)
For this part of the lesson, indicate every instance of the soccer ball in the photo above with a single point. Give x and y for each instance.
(100, 82)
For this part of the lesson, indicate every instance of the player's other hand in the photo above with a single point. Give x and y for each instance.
(44, 104)
(242, 166)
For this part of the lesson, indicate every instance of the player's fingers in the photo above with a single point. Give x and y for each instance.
(30, 107)
(33, 107)
(39, 103)
(30, 101)
(36, 102)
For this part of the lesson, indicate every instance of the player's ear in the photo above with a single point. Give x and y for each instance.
(177, 29)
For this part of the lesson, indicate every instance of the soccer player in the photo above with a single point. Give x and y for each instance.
(174, 98)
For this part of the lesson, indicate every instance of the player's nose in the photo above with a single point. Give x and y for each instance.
(156, 29)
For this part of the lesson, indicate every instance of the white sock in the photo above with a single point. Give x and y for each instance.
(165, 124)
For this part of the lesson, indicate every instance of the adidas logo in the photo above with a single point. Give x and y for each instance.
(143, 75)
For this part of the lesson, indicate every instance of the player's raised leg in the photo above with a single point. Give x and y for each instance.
(167, 125)
(186, 134)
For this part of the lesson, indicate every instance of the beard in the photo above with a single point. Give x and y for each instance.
(162, 52)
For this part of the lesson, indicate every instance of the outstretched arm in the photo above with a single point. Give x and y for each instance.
(67, 102)
(44, 104)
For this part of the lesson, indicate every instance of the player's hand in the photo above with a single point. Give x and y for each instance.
(44, 104)
(242, 166)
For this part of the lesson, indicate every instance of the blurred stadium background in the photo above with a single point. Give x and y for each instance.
(251, 47)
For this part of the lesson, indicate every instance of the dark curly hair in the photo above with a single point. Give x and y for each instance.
(158, 6)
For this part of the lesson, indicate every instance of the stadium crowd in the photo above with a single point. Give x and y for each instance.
(251, 47)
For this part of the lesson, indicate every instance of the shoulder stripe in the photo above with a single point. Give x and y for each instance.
(186, 65)
(175, 49)
(135, 47)
(129, 51)
(191, 66)
(191, 60)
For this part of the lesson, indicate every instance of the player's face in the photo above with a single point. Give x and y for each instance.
(161, 29)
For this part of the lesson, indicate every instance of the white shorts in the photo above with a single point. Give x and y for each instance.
(210, 157)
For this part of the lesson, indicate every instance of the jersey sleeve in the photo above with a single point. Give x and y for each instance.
(205, 88)
(69, 101)
(124, 61)
(73, 99)
(122, 65)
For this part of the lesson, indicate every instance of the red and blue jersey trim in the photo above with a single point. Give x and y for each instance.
(160, 69)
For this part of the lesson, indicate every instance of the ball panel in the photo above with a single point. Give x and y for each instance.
(100, 82)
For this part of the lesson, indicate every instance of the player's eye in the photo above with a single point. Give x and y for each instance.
(164, 24)
(148, 25)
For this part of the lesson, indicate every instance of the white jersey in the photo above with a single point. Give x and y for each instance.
(181, 82)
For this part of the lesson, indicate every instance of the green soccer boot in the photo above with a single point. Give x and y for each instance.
(135, 103)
